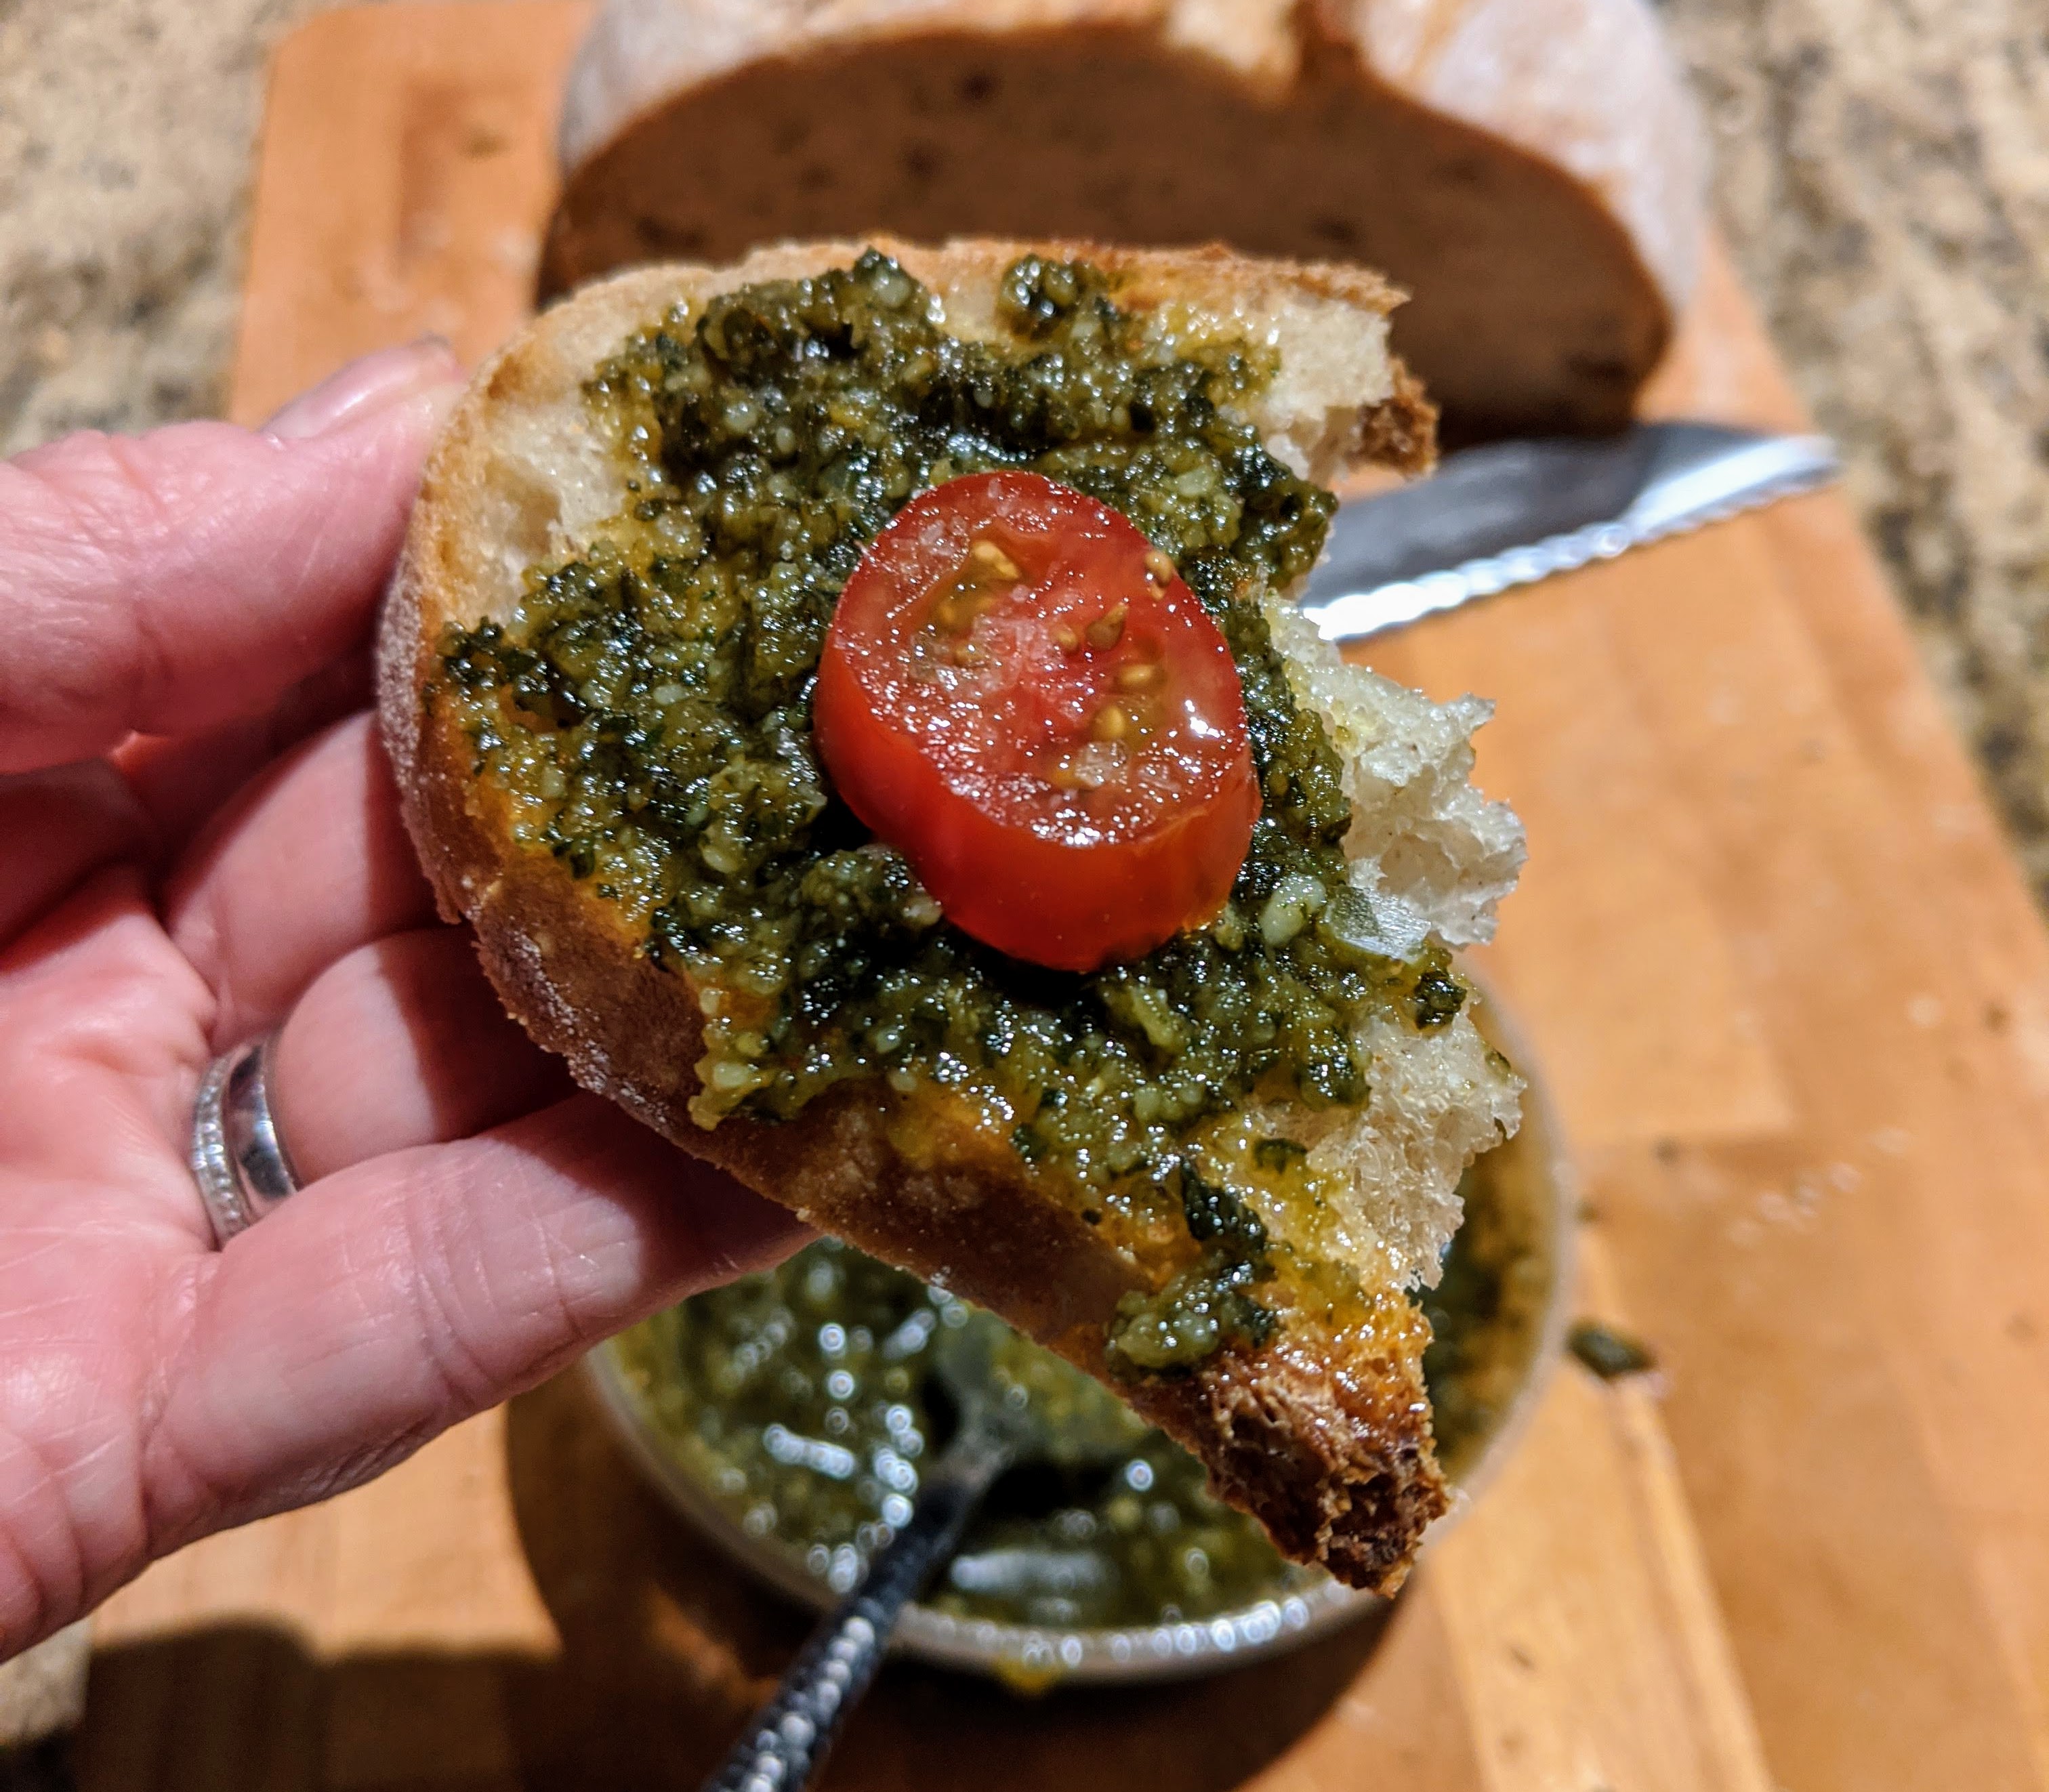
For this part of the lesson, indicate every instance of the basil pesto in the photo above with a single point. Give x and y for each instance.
(647, 709)
(804, 1402)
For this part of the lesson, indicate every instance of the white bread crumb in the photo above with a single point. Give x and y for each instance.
(1433, 857)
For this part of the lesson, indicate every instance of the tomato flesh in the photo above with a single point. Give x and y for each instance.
(1019, 694)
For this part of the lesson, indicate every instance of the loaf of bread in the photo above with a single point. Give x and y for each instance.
(1530, 170)
(1322, 1429)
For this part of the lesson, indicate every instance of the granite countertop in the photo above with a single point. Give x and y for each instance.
(1883, 175)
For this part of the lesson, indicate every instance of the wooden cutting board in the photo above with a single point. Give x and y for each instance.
(1793, 1000)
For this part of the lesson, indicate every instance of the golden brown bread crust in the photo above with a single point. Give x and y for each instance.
(1323, 1435)
(1531, 169)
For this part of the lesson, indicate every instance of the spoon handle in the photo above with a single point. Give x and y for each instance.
(786, 1741)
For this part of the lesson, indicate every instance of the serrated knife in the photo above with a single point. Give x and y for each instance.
(1514, 512)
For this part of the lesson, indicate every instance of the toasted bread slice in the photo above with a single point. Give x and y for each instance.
(1322, 1429)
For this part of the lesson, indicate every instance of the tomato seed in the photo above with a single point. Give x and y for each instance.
(1111, 723)
(990, 555)
(1106, 630)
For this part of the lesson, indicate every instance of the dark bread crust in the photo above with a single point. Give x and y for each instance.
(1323, 1435)
(1532, 168)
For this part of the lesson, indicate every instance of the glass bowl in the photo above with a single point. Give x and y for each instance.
(1535, 1201)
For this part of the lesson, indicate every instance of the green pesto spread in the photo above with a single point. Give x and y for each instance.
(647, 709)
(803, 1402)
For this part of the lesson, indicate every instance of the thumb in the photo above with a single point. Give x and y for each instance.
(166, 582)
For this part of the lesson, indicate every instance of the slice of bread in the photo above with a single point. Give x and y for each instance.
(1531, 170)
(1322, 1431)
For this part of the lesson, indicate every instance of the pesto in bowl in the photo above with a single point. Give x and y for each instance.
(788, 1415)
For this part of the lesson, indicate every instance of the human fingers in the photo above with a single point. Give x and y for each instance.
(402, 1043)
(308, 863)
(102, 1039)
(65, 822)
(383, 1304)
(60, 824)
(183, 780)
(369, 384)
(167, 582)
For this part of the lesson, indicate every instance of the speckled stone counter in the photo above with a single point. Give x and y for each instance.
(1883, 171)
(1883, 177)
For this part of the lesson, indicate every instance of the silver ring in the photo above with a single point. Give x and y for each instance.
(239, 1162)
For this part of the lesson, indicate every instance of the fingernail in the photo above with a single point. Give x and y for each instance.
(366, 386)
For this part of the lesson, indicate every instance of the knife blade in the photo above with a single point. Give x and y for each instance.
(1513, 512)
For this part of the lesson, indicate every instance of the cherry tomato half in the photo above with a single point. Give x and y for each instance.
(1019, 694)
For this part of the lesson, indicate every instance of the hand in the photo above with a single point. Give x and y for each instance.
(193, 607)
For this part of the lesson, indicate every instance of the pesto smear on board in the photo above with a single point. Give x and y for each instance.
(647, 709)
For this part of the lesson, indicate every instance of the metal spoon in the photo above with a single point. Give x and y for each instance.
(1014, 1408)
